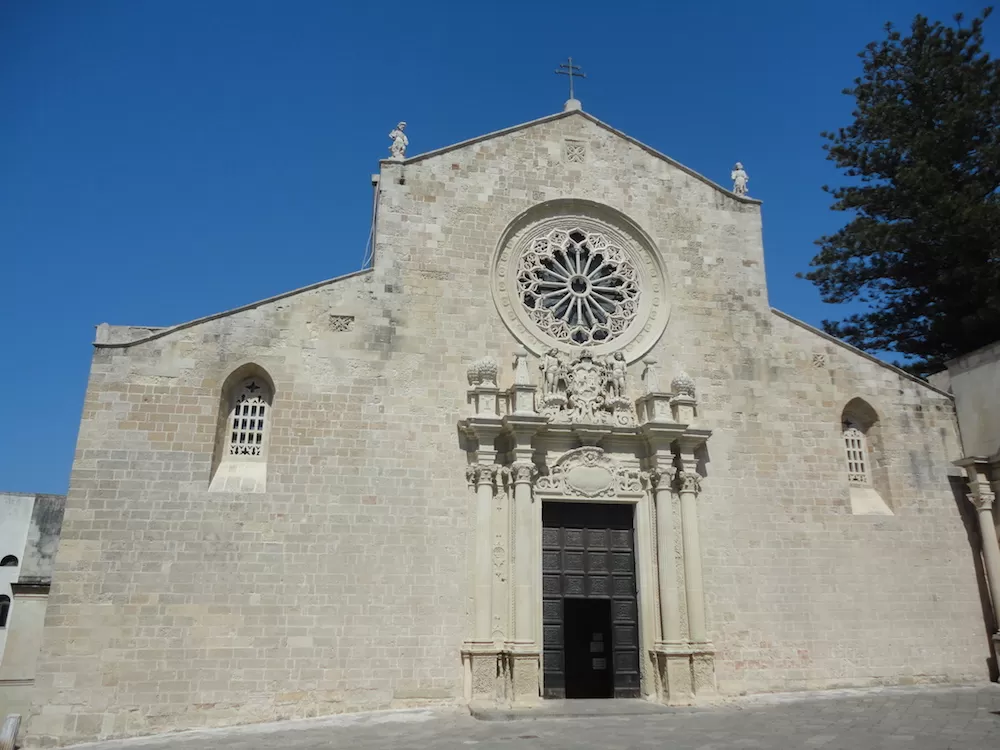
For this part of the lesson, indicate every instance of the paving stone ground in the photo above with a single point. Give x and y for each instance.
(900, 718)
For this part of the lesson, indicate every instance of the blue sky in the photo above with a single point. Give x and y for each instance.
(161, 161)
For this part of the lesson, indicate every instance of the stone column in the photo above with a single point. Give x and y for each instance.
(688, 484)
(670, 611)
(524, 550)
(673, 653)
(485, 483)
(523, 645)
(480, 655)
(645, 571)
(982, 498)
(983, 501)
(525, 653)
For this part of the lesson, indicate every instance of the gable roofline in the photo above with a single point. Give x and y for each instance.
(159, 332)
(571, 113)
(859, 352)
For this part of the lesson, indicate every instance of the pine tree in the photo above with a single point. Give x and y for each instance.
(922, 250)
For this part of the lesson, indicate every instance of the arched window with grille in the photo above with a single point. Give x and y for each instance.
(865, 460)
(856, 448)
(4, 609)
(9, 561)
(241, 445)
(248, 419)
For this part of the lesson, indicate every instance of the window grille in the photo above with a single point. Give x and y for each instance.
(856, 447)
(248, 421)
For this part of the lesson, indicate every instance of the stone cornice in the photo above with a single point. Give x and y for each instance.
(477, 426)
(524, 422)
(662, 434)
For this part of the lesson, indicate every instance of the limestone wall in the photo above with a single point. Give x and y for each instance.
(803, 594)
(345, 584)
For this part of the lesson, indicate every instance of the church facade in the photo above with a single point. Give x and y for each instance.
(554, 443)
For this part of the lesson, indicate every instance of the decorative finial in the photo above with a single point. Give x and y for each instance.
(399, 142)
(473, 374)
(683, 385)
(572, 71)
(740, 179)
(650, 380)
(484, 372)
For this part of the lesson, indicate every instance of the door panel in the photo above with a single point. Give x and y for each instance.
(588, 554)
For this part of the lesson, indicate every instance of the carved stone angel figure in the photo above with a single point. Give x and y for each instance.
(399, 141)
(740, 179)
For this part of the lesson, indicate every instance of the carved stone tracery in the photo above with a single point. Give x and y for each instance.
(572, 273)
(578, 287)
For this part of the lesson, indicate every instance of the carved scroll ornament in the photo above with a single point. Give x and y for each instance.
(589, 472)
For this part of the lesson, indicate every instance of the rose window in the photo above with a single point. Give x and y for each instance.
(578, 287)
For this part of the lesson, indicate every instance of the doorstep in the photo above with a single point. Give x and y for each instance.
(564, 709)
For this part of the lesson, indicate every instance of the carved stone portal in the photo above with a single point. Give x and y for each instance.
(577, 437)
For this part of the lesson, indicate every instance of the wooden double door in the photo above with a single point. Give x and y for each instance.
(590, 645)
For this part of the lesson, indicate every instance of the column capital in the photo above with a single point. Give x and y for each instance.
(484, 473)
(651, 477)
(978, 470)
(981, 499)
(687, 481)
(523, 472)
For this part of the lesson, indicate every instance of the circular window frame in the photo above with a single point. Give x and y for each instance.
(650, 321)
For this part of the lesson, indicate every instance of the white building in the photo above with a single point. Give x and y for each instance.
(29, 537)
